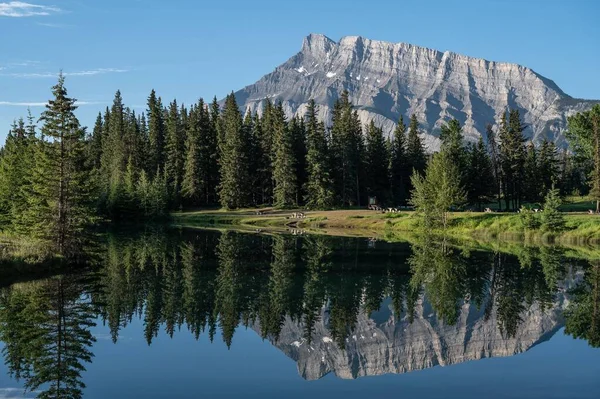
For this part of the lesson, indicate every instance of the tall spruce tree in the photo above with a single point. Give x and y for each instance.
(59, 207)
(192, 172)
(347, 145)
(319, 183)
(399, 172)
(298, 130)
(452, 142)
(531, 184)
(175, 142)
(234, 188)
(113, 160)
(479, 182)
(156, 133)
(548, 166)
(512, 158)
(492, 147)
(415, 151)
(15, 165)
(284, 161)
(95, 143)
(266, 152)
(376, 164)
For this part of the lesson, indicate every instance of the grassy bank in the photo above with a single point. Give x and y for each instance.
(581, 229)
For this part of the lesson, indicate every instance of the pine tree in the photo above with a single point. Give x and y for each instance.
(552, 219)
(212, 175)
(399, 172)
(415, 151)
(266, 151)
(376, 163)
(191, 186)
(480, 175)
(251, 126)
(548, 166)
(493, 152)
(298, 130)
(531, 184)
(95, 143)
(15, 163)
(174, 153)
(143, 195)
(234, 188)
(452, 142)
(59, 207)
(347, 146)
(284, 161)
(156, 133)
(319, 184)
(512, 158)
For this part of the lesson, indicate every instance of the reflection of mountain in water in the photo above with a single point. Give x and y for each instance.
(332, 304)
(382, 344)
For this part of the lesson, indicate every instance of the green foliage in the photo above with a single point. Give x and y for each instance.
(511, 159)
(436, 193)
(584, 136)
(234, 188)
(415, 151)
(59, 203)
(479, 175)
(552, 219)
(529, 219)
(376, 164)
(285, 192)
(399, 168)
(347, 152)
(319, 184)
(583, 313)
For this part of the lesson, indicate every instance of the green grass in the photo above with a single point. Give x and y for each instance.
(580, 228)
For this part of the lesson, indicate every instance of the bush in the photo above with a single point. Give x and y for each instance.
(529, 219)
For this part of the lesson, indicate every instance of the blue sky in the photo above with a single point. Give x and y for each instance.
(189, 49)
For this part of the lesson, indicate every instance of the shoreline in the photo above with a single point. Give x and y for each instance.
(581, 229)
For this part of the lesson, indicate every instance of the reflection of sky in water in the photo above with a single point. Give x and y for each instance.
(182, 367)
(10, 393)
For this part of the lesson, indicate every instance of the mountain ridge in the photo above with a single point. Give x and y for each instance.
(387, 80)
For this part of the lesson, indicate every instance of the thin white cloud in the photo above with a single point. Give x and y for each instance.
(19, 9)
(50, 25)
(43, 104)
(90, 72)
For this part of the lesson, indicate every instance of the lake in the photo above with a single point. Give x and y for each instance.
(200, 313)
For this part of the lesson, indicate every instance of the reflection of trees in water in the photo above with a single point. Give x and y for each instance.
(45, 326)
(583, 313)
(234, 279)
(499, 282)
(200, 281)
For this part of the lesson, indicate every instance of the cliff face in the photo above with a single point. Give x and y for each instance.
(382, 344)
(386, 80)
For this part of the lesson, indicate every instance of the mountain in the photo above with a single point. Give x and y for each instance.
(380, 343)
(386, 80)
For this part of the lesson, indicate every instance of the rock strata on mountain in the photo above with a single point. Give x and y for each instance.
(386, 80)
(382, 344)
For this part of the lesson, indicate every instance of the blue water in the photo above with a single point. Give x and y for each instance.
(556, 366)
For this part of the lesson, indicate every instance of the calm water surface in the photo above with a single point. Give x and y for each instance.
(186, 314)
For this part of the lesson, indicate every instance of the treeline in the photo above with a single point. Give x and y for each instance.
(54, 179)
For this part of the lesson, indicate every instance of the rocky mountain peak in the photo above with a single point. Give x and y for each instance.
(388, 80)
